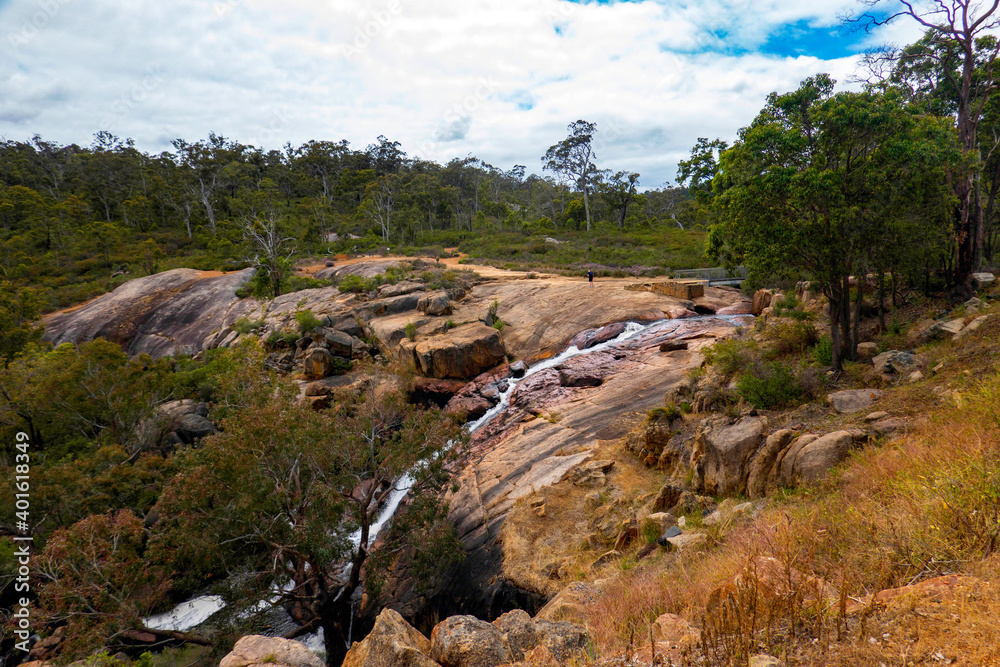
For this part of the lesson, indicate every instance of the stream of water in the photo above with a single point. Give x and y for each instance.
(196, 611)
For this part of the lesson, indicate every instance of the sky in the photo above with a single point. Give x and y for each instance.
(497, 79)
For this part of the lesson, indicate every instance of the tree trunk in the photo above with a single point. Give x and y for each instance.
(586, 206)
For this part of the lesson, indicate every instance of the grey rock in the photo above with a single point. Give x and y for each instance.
(895, 363)
(850, 401)
(980, 280)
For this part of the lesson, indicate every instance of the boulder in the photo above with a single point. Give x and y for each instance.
(674, 629)
(579, 378)
(435, 304)
(339, 343)
(761, 300)
(973, 326)
(518, 632)
(980, 280)
(392, 641)
(518, 369)
(867, 350)
(850, 401)
(763, 462)
(723, 453)
(435, 390)
(317, 364)
(923, 332)
(563, 639)
(260, 651)
(809, 461)
(400, 289)
(391, 306)
(193, 427)
(463, 352)
(953, 326)
(466, 641)
(741, 308)
(895, 364)
(168, 313)
(592, 337)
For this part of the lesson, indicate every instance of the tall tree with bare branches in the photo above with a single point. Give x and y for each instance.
(960, 29)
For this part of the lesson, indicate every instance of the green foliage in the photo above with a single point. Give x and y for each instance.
(786, 338)
(668, 412)
(411, 331)
(822, 352)
(769, 385)
(18, 309)
(731, 355)
(307, 321)
(245, 325)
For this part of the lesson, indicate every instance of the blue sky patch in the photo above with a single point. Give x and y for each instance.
(801, 39)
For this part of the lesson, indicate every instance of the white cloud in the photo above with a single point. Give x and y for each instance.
(500, 80)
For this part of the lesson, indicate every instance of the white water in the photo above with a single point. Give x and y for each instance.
(186, 615)
(196, 611)
(631, 329)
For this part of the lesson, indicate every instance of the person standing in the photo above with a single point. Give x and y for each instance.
(590, 278)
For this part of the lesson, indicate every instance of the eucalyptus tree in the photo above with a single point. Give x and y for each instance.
(618, 191)
(573, 159)
(959, 34)
(819, 181)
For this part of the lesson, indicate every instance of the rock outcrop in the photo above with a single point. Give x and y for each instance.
(260, 651)
(174, 312)
(462, 352)
(392, 641)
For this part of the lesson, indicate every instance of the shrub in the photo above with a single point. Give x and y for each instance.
(411, 331)
(791, 337)
(822, 351)
(768, 385)
(245, 325)
(731, 355)
(307, 321)
(668, 412)
(353, 283)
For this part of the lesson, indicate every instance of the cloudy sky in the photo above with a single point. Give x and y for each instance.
(499, 79)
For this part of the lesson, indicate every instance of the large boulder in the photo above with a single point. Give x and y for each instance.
(462, 352)
(174, 312)
(723, 453)
(260, 651)
(318, 363)
(435, 304)
(809, 457)
(339, 343)
(392, 641)
(980, 280)
(519, 632)
(466, 641)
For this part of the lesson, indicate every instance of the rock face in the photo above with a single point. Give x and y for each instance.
(722, 455)
(466, 641)
(260, 651)
(173, 312)
(392, 641)
(463, 352)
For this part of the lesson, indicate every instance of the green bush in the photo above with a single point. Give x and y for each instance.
(790, 337)
(353, 283)
(307, 321)
(769, 385)
(245, 325)
(822, 352)
(731, 355)
(668, 412)
(411, 331)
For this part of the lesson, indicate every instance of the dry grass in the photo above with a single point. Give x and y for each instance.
(920, 507)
